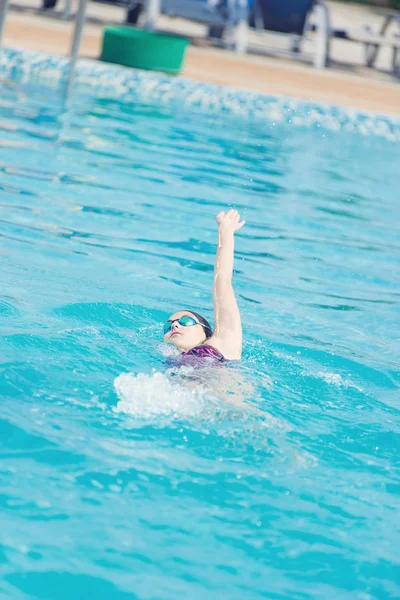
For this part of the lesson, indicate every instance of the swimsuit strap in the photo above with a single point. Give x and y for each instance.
(204, 350)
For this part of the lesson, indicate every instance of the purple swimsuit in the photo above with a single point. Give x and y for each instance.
(205, 351)
(201, 356)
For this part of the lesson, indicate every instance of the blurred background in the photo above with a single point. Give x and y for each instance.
(335, 51)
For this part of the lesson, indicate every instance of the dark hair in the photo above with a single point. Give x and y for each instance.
(205, 324)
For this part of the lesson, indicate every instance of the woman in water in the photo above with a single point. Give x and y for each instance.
(192, 333)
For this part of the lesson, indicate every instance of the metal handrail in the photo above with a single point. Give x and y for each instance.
(3, 14)
(76, 40)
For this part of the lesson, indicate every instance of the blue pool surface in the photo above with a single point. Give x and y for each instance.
(274, 478)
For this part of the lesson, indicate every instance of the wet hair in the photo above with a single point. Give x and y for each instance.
(203, 322)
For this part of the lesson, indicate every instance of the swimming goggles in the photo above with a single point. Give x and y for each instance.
(185, 321)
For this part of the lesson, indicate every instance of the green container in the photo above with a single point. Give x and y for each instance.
(143, 49)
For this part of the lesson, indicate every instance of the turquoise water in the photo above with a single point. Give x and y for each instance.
(276, 478)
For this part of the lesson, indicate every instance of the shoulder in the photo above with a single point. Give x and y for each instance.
(228, 352)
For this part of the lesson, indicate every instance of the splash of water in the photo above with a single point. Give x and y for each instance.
(152, 395)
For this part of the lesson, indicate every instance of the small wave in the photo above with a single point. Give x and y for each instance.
(336, 379)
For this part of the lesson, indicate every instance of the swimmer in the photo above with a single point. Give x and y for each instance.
(192, 333)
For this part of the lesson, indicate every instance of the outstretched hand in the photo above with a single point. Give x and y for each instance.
(230, 221)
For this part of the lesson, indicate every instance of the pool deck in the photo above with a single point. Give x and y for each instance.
(347, 83)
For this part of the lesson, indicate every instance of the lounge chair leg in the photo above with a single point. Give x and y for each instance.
(133, 12)
(395, 62)
(67, 12)
(229, 38)
(216, 32)
(295, 43)
(240, 37)
(152, 11)
(321, 58)
(48, 4)
(370, 50)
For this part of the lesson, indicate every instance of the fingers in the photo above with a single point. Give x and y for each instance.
(232, 217)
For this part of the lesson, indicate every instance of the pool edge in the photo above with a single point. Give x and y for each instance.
(114, 81)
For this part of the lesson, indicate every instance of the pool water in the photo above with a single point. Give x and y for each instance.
(274, 478)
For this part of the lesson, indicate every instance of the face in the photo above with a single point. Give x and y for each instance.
(184, 337)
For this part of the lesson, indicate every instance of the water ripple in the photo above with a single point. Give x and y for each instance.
(119, 472)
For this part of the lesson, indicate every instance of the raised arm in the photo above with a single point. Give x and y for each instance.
(227, 335)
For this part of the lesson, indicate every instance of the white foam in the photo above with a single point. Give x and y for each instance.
(178, 394)
(169, 351)
(153, 395)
